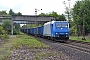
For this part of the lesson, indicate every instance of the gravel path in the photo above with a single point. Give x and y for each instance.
(72, 53)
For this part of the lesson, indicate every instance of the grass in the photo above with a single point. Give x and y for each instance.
(5, 49)
(27, 40)
(4, 37)
(79, 38)
(15, 42)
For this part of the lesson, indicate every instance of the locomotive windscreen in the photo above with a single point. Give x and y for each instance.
(61, 25)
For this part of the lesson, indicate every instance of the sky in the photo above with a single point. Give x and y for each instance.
(27, 7)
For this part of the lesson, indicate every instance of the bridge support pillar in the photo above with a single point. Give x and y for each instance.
(12, 26)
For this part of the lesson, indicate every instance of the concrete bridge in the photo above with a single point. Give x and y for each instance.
(25, 19)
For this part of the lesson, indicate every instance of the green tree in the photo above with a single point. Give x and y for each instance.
(61, 17)
(18, 13)
(11, 12)
(7, 26)
(2, 31)
(42, 14)
(16, 29)
(17, 26)
(81, 12)
(55, 15)
(3, 12)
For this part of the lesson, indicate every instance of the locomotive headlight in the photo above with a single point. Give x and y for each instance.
(66, 33)
(66, 26)
(56, 33)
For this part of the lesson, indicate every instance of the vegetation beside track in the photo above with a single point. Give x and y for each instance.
(79, 38)
(15, 42)
(5, 46)
(27, 42)
(4, 37)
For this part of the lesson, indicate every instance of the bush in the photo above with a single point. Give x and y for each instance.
(4, 37)
(15, 32)
(7, 26)
(2, 31)
(72, 30)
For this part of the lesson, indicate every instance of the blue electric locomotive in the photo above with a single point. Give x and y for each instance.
(56, 30)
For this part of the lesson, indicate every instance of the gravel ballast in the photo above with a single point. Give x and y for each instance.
(72, 53)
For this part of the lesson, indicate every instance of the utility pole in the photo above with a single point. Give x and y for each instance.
(12, 26)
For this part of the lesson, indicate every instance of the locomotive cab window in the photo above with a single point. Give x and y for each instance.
(64, 25)
(58, 25)
(61, 25)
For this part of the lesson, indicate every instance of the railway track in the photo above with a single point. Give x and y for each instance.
(82, 49)
(73, 49)
(78, 45)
